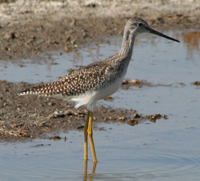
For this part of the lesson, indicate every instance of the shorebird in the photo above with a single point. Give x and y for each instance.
(97, 80)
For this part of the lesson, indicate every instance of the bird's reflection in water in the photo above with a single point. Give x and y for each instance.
(86, 175)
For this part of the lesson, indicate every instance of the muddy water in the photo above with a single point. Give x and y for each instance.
(165, 150)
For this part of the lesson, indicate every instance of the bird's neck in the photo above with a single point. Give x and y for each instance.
(127, 45)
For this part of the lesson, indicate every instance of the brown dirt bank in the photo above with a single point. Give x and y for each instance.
(26, 41)
(32, 116)
(53, 25)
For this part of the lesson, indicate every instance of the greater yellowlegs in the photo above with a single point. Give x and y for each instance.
(97, 80)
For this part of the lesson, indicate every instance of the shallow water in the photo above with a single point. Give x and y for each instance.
(165, 150)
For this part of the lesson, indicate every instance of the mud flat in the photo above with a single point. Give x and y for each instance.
(30, 27)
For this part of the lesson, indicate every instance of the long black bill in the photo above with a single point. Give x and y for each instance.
(160, 34)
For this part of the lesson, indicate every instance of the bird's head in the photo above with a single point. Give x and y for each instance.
(138, 25)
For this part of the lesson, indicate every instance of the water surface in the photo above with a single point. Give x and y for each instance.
(165, 150)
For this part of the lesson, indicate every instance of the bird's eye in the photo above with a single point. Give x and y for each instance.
(139, 24)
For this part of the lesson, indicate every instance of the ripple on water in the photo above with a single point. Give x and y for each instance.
(165, 150)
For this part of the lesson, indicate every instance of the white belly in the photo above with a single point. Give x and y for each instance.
(91, 97)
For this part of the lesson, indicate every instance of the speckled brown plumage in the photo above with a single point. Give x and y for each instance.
(97, 80)
(94, 76)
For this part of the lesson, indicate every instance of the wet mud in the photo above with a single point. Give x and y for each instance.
(197, 83)
(34, 117)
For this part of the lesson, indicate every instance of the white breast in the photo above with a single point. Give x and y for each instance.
(90, 98)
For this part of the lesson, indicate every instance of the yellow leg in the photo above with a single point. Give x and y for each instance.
(85, 139)
(90, 134)
(85, 167)
(88, 176)
(94, 167)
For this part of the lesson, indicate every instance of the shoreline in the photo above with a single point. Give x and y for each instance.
(38, 26)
